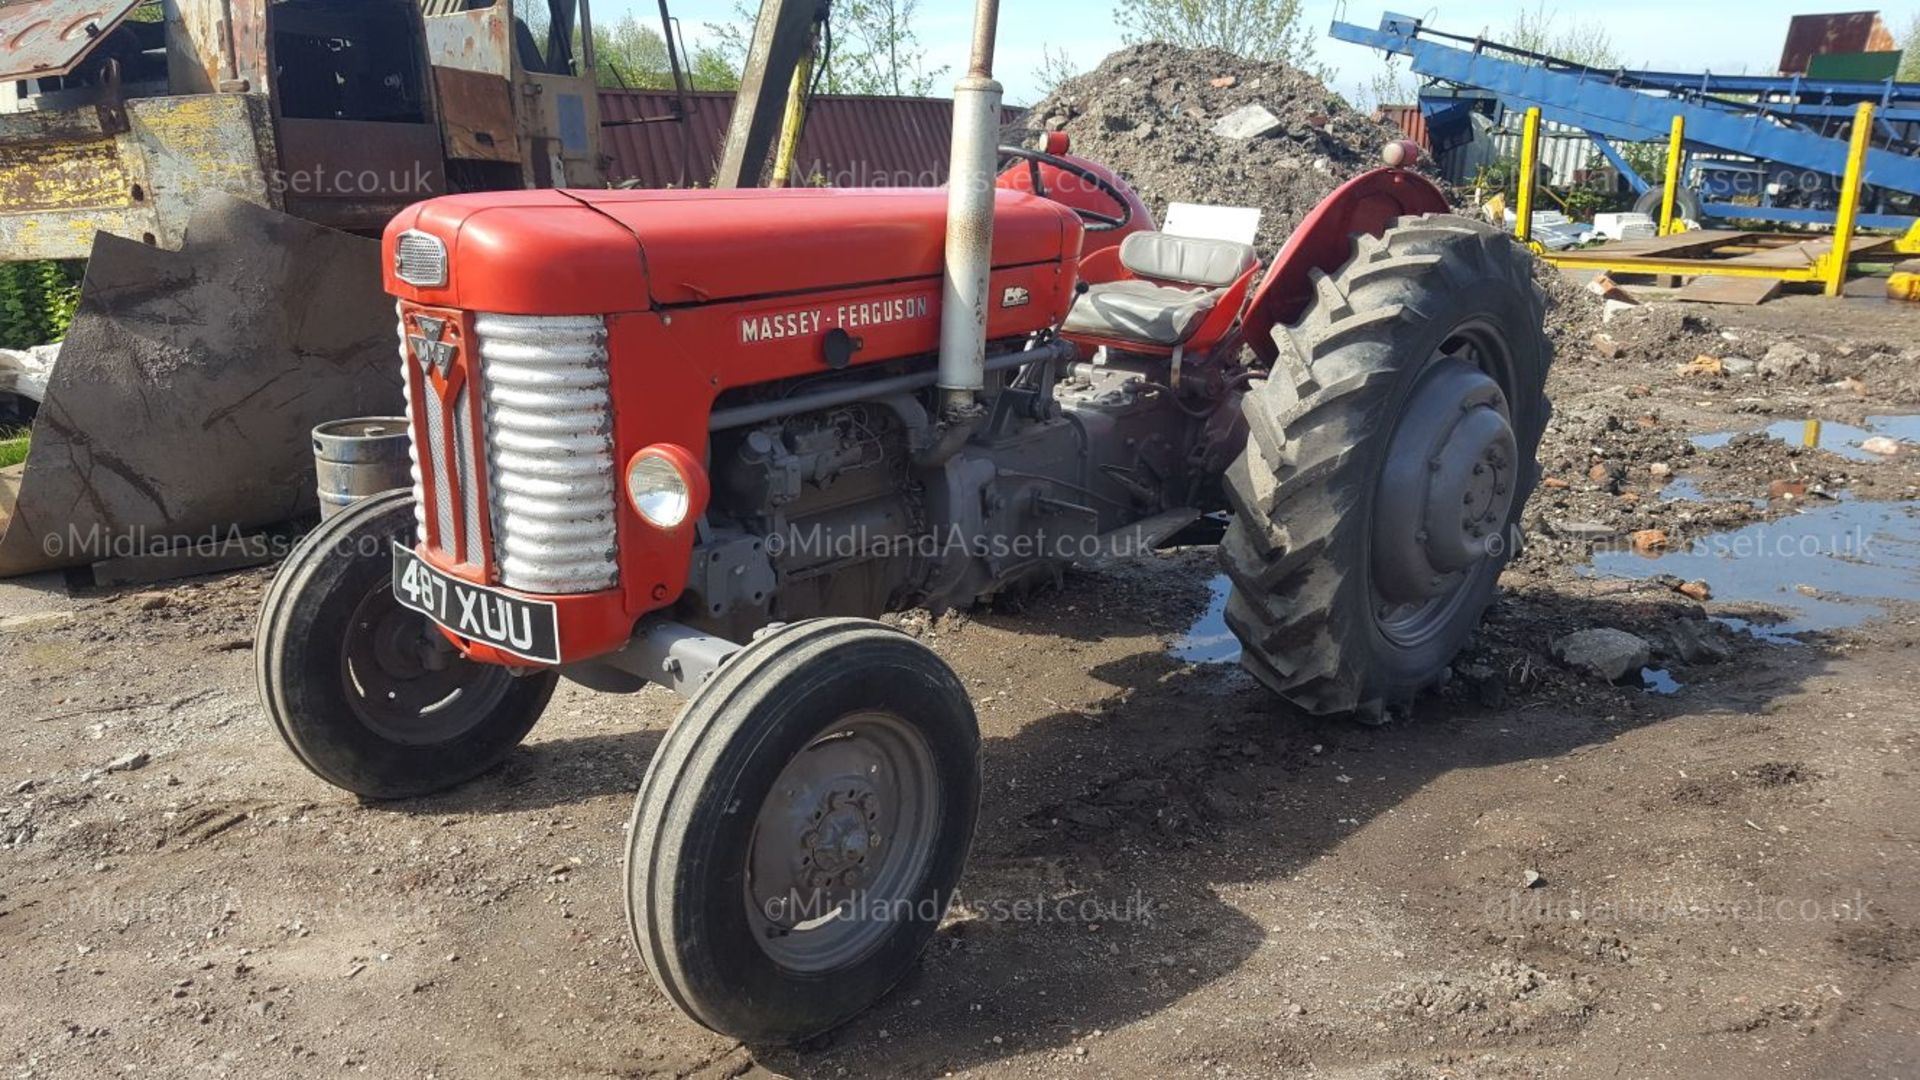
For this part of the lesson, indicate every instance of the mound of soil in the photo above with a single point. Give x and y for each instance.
(1149, 113)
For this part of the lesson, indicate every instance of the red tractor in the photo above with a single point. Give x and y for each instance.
(701, 439)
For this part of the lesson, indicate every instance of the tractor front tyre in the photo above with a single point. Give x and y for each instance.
(368, 694)
(802, 828)
(1391, 451)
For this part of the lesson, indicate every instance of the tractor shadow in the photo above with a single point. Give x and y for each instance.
(545, 774)
(1113, 836)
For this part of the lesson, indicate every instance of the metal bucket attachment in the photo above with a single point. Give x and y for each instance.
(358, 459)
(180, 409)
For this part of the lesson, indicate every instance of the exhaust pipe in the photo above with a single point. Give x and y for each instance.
(970, 191)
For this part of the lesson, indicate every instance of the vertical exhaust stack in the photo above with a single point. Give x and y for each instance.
(970, 191)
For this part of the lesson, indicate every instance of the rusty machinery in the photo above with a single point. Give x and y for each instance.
(212, 160)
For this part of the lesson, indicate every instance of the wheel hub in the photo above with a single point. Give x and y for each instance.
(405, 681)
(1448, 485)
(846, 828)
(834, 849)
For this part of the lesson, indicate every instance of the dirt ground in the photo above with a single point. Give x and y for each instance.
(1539, 874)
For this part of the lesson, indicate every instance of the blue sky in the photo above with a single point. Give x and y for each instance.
(1687, 35)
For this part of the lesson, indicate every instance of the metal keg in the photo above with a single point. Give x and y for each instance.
(355, 459)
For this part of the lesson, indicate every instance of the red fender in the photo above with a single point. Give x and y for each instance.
(1368, 204)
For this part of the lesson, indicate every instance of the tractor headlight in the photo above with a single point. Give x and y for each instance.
(420, 260)
(666, 486)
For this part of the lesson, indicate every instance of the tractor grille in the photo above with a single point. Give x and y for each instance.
(549, 418)
(539, 469)
(446, 473)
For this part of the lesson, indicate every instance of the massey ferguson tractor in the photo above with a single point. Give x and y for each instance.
(701, 439)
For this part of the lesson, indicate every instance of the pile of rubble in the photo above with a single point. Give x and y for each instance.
(1205, 126)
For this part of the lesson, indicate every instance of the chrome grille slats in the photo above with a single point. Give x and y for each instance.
(413, 448)
(549, 428)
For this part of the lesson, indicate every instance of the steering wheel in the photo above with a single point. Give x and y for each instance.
(1095, 221)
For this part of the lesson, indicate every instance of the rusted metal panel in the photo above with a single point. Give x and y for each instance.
(356, 174)
(480, 40)
(43, 38)
(1809, 36)
(477, 112)
(217, 45)
(180, 407)
(850, 140)
(65, 175)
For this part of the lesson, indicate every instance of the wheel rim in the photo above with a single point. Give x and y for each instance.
(1447, 489)
(842, 843)
(406, 682)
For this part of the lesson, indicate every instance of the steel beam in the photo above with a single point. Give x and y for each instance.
(781, 36)
(1592, 102)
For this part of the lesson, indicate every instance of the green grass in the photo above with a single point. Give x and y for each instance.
(13, 447)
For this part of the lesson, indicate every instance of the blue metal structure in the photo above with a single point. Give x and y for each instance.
(1791, 127)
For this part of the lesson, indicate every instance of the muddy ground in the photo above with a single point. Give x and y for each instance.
(1539, 874)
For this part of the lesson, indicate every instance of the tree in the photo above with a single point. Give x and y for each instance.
(1387, 86)
(1056, 67)
(1910, 46)
(629, 54)
(1585, 43)
(875, 49)
(1259, 29)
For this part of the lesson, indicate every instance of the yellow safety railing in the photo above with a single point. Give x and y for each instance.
(1829, 268)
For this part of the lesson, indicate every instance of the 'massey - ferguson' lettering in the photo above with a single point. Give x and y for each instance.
(808, 323)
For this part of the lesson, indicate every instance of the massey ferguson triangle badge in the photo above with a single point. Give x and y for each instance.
(435, 355)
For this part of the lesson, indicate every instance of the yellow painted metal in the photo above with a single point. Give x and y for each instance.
(1529, 169)
(1909, 244)
(791, 123)
(1834, 263)
(1810, 436)
(1676, 153)
(1598, 259)
(64, 176)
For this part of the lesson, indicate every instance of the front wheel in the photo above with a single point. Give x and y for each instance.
(801, 829)
(1390, 453)
(369, 695)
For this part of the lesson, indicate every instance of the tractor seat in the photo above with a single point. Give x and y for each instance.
(1152, 313)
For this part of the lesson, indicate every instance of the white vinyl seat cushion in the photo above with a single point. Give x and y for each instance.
(1155, 314)
(1141, 311)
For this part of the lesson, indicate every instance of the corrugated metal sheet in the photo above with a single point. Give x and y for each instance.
(850, 141)
(1411, 122)
(1566, 153)
(1809, 36)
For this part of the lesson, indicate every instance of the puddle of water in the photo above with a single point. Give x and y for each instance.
(1841, 439)
(1849, 554)
(1208, 641)
(1660, 681)
(1687, 489)
(1767, 632)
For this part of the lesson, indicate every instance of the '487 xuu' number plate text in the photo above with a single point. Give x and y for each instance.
(528, 629)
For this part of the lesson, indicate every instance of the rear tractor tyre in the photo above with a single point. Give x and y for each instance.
(801, 829)
(369, 695)
(1391, 451)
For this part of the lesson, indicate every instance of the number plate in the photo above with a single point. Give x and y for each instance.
(528, 629)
